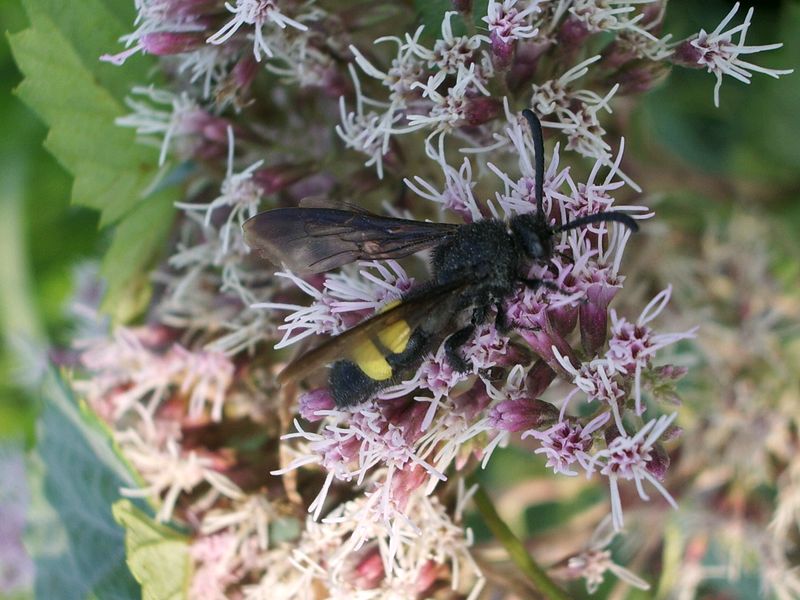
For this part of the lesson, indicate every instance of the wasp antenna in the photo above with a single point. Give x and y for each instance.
(538, 148)
(601, 217)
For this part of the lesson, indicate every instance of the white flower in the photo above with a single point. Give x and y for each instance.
(629, 458)
(240, 192)
(719, 54)
(566, 443)
(508, 23)
(610, 15)
(450, 53)
(595, 560)
(256, 13)
(632, 346)
(180, 121)
(458, 185)
(366, 132)
(449, 110)
(346, 299)
(169, 472)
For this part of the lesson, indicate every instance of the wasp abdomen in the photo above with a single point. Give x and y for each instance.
(377, 364)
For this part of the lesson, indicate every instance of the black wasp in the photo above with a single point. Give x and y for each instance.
(475, 268)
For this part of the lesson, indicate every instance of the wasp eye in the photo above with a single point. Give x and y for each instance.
(535, 248)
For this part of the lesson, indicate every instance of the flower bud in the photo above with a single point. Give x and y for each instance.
(166, 43)
(277, 177)
(564, 318)
(641, 76)
(688, 55)
(427, 577)
(245, 71)
(369, 572)
(407, 480)
(659, 462)
(542, 340)
(481, 110)
(671, 372)
(313, 401)
(522, 414)
(539, 378)
(526, 60)
(473, 401)
(407, 414)
(573, 32)
(594, 316)
(502, 51)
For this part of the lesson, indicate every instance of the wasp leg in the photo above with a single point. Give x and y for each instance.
(536, 283)
(451, 346)
(501, 319)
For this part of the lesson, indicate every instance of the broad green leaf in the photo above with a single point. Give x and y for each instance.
(78, 548)
(157, 555)
(136, 241)
(79, 98)
(111, 171)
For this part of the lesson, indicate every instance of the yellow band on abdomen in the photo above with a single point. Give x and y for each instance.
(368, 355)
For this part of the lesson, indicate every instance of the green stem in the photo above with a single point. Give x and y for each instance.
(516, 550)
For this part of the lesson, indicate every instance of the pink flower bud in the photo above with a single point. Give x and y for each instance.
(502, 51)
(406, 413)
(406, 481)
(659, 462)
(369, 572)
(594, 316)
(564, 318)
(278, 177)
(641, 77)
(245, 71)
(522, 414)
(526, 60)
(672, 372)
(473, 401)
(166, 43)
(313, 401)
(688, 55)
(482, 110)
(543, 339)
(427, 577)
(539, 378)
(573, 32)
(653, 15)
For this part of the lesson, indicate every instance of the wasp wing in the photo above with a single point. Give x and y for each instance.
(314, 240)
(431, 308)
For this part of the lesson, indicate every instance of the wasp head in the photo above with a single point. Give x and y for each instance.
(532, 235)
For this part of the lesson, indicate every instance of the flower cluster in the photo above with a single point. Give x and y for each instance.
(274, 101)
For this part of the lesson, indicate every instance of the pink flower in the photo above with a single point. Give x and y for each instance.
(635, 458)
(633, 345)
(566, 443)
(719, 54)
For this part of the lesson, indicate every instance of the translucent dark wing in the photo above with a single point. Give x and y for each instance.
(433, 309)
(313, 240)
(328, 202)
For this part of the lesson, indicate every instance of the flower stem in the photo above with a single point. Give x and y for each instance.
(516, 550)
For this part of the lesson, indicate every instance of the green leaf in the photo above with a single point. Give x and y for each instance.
(157, 555)
(78, 548)
(79, 98)
(136, 242)
(63, 86)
